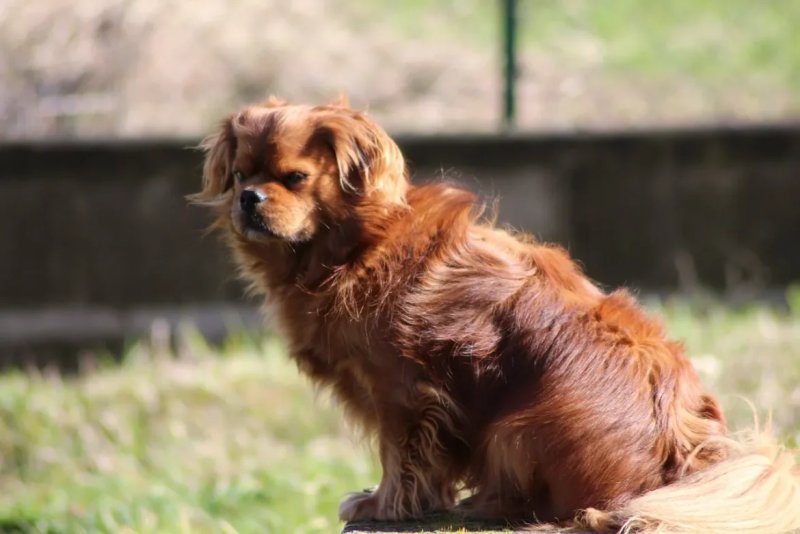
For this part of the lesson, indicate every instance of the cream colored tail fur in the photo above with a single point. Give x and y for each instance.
(755, 491)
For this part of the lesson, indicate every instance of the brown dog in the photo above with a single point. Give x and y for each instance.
(481, 360)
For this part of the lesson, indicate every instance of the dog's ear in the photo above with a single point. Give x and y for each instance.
(341, 101)
(369, 162)
(273, 101)
(220, 149)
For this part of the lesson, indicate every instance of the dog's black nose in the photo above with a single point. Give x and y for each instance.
(249, 198)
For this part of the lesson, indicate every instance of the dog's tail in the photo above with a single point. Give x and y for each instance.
(756, 490)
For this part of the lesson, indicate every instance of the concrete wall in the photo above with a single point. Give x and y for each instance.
(104, 226)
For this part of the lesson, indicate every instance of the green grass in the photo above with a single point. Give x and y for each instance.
(235, 441)
(710, 40)
(721, 46)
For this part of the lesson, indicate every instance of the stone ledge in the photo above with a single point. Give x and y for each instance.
(443, 523)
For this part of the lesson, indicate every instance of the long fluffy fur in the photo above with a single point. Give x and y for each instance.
(755, 490)
(486, 361)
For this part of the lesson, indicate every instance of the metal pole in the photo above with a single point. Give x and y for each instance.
(509, 61)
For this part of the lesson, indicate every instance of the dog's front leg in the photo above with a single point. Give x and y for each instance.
(418, 471)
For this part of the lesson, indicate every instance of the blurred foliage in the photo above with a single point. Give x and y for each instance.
(234, 440)
(145, 67)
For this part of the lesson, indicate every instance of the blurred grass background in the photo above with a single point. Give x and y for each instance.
(198, 439)
(709, 40)
(146, 67)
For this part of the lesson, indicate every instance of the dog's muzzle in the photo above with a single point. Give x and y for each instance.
(249, 199)
(248, 202)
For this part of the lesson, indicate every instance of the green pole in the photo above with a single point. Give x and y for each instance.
(509, 62)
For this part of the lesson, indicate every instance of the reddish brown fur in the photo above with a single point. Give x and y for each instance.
(480, 359)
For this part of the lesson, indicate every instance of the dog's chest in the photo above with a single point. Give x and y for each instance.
(325, 341)
(354, 358)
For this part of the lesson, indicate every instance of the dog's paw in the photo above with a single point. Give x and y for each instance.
(359, 506)
(480, 505)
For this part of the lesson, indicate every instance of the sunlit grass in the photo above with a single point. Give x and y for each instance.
(710, 41)
(707, 40)
(163, 444)
(234, 440)
(681, 61)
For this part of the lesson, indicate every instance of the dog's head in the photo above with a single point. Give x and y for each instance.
(280, 172)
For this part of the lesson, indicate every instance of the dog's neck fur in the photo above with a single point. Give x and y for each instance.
(274, 266)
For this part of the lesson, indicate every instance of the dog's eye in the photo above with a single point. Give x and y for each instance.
(238, 176)
(293, 178)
